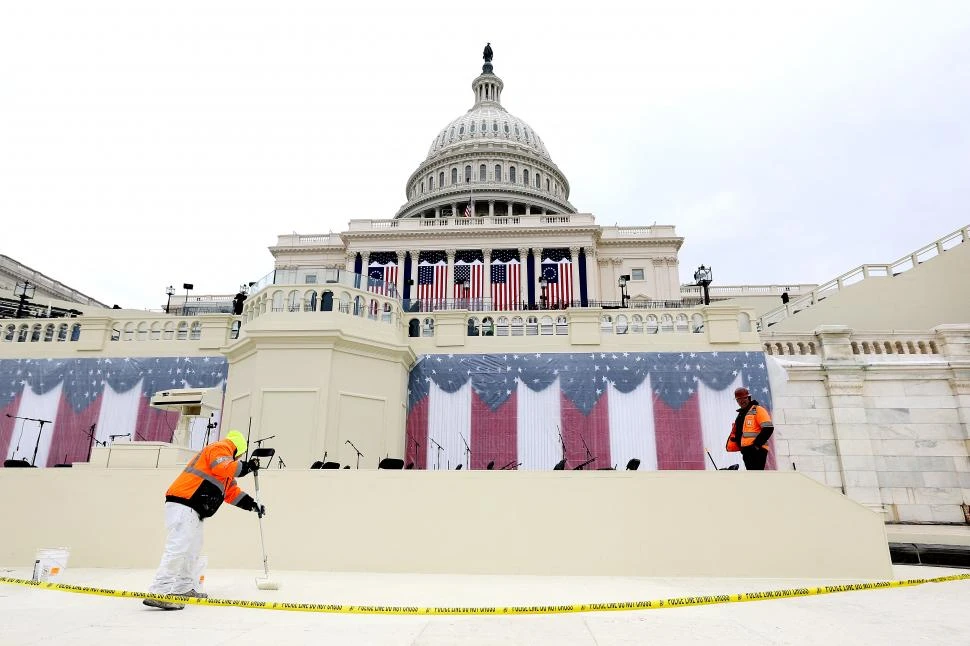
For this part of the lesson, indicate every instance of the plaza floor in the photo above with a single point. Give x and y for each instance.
(933, 613)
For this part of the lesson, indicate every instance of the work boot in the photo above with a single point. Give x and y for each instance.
(163, 605)
(193, 593)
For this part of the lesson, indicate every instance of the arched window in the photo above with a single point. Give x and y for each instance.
(468, 174)
(61, 332)
(506, 128)
(527, 135)
(471, 128)
(495, 126)
(516, 130)
(538, 181)
(547, 184)
(430, 182)
(484, 127)
(512, 174)
(181, 334)
(441, 179)
(498, 173)
(461, 130)
(422, 188)
(451, 135)
(196, 333)
(454, 175)
(525, 176)
(482, 171)
(75, 332)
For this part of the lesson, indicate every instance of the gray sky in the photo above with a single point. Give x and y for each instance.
(144, 144)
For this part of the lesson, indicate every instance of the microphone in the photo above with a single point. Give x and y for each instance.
(114, 437)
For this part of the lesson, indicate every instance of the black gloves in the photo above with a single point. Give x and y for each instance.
(259, 509)
(249, 504)
(249, 466)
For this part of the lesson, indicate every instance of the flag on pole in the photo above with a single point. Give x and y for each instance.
(505, 270)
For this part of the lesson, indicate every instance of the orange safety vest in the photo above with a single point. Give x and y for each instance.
(209, 479)
(753, 419)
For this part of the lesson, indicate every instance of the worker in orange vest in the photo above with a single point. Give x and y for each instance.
(196, 494)
(750, 431)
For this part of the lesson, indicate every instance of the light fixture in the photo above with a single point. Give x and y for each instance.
(622, 283)
(169, 291)
(24, 291)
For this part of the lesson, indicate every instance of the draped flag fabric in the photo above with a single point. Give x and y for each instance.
(472, 272)
(597, 410)
(107, 395)
(382, 278)
(432, 283)
(505, 279)
(557, 269)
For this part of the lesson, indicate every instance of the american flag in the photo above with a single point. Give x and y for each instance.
(473, 272)
(557, 269)
(505, 279)
(432, 283)
(112, 394)
(662, 408)
(468, 210)
(382, 278)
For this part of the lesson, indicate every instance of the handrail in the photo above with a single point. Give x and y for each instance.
(860, 273)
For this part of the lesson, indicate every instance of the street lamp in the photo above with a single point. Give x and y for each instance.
(25, 291)
(621, 283)
(703, 277)
(543, 284)
(186, 287)
(467, 285)
(169, 291)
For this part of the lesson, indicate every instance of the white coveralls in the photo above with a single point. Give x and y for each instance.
(178, 571)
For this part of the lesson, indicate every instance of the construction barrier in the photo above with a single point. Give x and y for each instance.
(673, 602)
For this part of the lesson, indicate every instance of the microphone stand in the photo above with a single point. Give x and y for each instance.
(440, 449)
(589, 455)
(90, 433)
(359, 454)
(211, 424)
(33, 460)
(563, 443)
(468, 451)
(282, 465)
(114, 437)
(416, 447)
(511, 466)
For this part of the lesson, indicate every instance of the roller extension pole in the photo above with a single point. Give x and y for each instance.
(265, 583)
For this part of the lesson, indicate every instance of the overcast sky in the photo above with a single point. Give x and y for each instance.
(144, 144)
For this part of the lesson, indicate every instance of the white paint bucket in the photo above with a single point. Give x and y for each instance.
(50, 562)
(200, 566)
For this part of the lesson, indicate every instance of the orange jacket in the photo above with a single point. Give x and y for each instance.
(209, 479)
(757, 422)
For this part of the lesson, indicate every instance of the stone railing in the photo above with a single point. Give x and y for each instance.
(297, 240)
(498, 220)
(721, 292)
(589, 325)
(93, 333)
(869, 344)
(344, 297)
(862, 272)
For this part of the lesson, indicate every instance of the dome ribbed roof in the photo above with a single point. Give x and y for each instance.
(488, 121)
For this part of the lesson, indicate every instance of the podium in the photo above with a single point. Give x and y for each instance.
(188, 403)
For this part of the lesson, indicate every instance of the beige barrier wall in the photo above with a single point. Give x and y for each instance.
(717, 524)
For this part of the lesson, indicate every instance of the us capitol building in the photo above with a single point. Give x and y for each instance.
(490, 325)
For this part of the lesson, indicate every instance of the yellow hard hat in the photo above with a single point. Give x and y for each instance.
(237, 438)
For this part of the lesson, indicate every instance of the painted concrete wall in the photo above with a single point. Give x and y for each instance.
(715, 524)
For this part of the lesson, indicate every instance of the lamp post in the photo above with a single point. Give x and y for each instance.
(169, 291)
(621, 283)
(543, 284)
(703, 277)
(24, 291)
(186, 287)
(467, 286)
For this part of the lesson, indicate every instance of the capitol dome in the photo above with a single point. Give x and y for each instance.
(487, 162)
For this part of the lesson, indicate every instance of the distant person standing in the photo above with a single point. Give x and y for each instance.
(750, 431)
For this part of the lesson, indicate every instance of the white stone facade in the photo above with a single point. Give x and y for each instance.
(889, 429)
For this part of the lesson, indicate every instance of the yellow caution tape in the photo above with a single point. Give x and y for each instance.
(673, 602)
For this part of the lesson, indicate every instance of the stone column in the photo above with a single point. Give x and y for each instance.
(509, 204)
(574, 259)
(454, 209)
(844, 382)
(592, 275)
(524, 274)
(450, 283)
(617, 269)
(437, 212)
(487, 276)
(413, 277)
(953, 342)
(528, 209)
(491, 208)
(400, 274)
(351, 258)
(659, 279)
